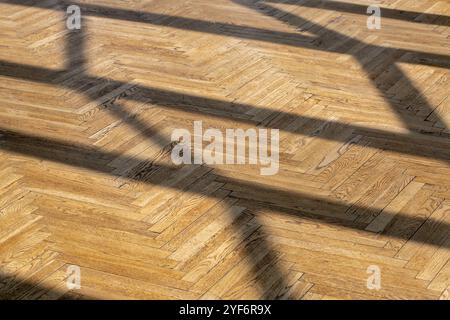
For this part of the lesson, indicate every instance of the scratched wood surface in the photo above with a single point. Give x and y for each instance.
(86, 176)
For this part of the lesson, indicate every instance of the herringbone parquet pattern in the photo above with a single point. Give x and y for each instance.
(86, 177)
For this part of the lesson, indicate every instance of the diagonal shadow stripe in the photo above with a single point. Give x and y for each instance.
(397, 14)
(415, 144)
(300, 204)
(404, 15)
(226, 29)
(297, 22)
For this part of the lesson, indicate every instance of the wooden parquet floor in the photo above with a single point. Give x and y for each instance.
(86, 176)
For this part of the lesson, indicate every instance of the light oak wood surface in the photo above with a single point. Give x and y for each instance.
(86, 176)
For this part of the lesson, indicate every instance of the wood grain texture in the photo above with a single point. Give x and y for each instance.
(86, 176)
